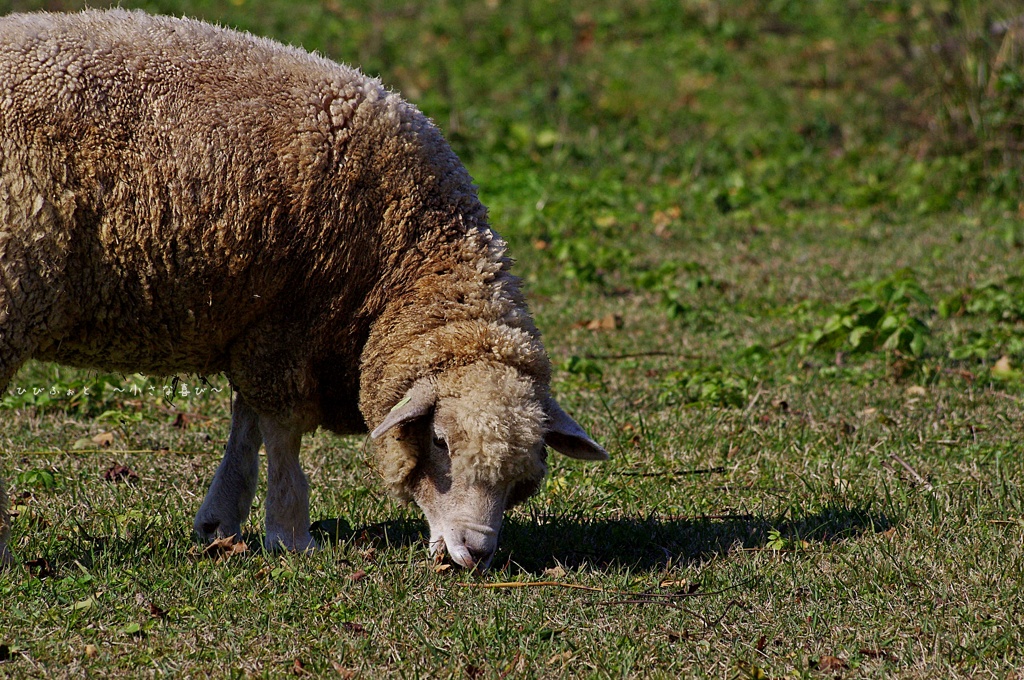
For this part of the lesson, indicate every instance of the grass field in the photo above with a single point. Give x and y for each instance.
(774, 248)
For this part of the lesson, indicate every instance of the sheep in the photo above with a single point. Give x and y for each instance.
(180, 198)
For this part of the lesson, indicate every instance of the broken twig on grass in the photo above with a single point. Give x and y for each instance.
(912, 472)
(674, 473)
(540, 584)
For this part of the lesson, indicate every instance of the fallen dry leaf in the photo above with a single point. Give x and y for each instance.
(1002, 368)
(345, 673)
(154, 611)
(103, 439)
(118, 472)
(874, 653)
(560, 658)
(663, 218)
(40, 567)
(554, 572)
(608, 322)
(676, 636)
(182, 420)
(225, 548)
(831, 663)
(356, 629)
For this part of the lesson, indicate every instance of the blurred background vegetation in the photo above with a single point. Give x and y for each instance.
(639, 147)
(713, 104)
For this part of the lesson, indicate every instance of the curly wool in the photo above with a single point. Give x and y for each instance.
(500, 421)
(182, 198)
(464, 319)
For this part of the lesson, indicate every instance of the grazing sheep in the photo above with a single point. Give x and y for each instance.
(180, 198)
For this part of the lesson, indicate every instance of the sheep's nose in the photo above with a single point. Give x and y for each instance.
(473, 550)
(481, 557)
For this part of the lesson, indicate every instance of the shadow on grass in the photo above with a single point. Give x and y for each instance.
(652, 543)
(394, 533)
(531, 545)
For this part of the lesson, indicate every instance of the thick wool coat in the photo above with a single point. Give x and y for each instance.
(180, 198)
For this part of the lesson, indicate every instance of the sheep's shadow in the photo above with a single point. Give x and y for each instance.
(653, 543)
(534, 543)
(538, 542)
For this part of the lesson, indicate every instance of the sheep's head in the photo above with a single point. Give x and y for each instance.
(469, 444)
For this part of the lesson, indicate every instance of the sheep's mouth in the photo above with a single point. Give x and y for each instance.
(462, 554)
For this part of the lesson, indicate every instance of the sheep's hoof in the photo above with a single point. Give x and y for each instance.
(212, 530)
(288, 542)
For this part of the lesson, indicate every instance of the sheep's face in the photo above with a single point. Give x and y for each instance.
(482, 448)
(464, 513)
(477, 435)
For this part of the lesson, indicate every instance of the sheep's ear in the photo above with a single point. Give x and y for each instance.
(417, 402)
(567, 437)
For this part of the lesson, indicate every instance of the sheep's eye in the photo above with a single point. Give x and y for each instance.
(440, 443)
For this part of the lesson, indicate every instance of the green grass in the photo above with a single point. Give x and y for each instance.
(813, 396)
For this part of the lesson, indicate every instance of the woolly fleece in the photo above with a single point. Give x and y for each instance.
(180, 198)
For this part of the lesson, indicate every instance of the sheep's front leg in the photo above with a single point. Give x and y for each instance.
(287, 489)
(229, 499)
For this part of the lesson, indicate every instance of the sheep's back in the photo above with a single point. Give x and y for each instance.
(202, 180)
